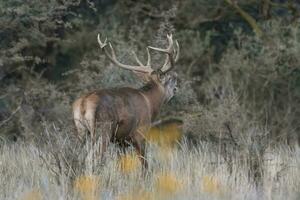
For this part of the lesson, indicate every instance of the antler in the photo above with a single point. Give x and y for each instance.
(172, 54)
(171, 57)
(113, 58)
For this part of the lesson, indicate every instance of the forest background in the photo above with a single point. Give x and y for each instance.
(239, 67)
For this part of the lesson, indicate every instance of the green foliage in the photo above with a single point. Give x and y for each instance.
(265, 75)
(49, 56)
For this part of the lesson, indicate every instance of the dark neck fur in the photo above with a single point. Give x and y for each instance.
(155, 94)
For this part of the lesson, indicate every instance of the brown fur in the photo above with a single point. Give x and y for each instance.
(130, 112)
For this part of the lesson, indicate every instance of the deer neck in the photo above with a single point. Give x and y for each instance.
(155, 95)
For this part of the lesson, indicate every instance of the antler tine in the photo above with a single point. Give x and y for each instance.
(172, 59)
(102, 44)
(167, 50)
(177, 51)
(149, 58)
(111, 55)
(165, 66)
(170, 51)
(137, 59)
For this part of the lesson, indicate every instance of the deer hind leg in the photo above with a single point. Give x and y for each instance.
(78, 119)
(90, 119)
(103, 146)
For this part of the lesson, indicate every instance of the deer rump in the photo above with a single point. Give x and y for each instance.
(126, 110)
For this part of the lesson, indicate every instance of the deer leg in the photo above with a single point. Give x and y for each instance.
(78, 119)
(90, 123)
(81, 129)
(139, 145)
(104, 144)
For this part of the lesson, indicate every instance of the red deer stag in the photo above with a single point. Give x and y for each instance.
(130, 111)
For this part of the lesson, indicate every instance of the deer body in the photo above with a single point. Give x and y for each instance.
(129, 111)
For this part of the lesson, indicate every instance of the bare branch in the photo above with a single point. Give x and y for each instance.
(11, 116)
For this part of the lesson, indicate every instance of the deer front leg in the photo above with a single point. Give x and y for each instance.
(138, 143)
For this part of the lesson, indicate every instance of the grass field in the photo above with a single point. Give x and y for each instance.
(176, 171)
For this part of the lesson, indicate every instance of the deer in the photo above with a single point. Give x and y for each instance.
(130, 111)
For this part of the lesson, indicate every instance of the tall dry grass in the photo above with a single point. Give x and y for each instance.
(28, 171)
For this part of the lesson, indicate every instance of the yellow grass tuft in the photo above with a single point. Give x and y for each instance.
(87, 187)
(167, 135)
(168, 184)
(211, 185)
(166, 153)
(32, 195)
(129, 163)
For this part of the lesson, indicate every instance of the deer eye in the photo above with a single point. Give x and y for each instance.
(175, 89)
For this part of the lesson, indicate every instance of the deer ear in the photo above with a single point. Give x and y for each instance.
(160, 76)
(157, 75)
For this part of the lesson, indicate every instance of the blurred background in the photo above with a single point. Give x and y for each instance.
(239, 67)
